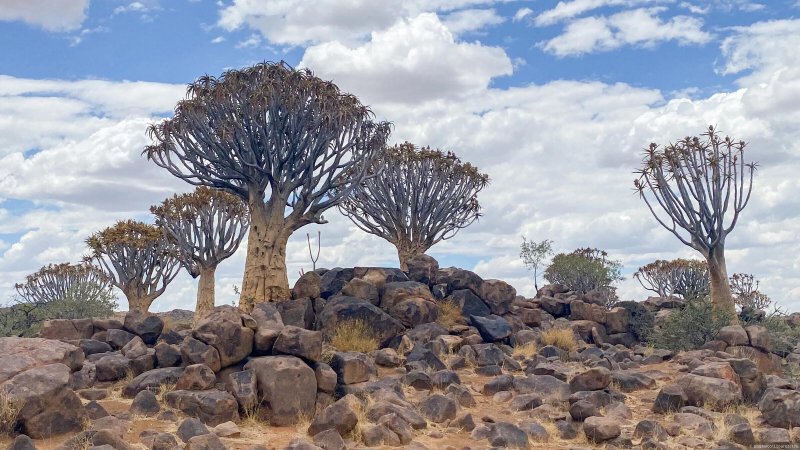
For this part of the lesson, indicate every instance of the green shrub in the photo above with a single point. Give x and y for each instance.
(641, 320)
(781, 335)
(691, 326)
(584, 270)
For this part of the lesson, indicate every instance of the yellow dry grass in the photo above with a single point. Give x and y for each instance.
(526, 350)
(8, 412)
(354, 336)
(562, 338)
(449, 314)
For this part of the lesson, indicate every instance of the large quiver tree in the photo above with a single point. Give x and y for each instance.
(206, 227)
(137, 258)
(421, 197)
(696, 188)
(286, 142)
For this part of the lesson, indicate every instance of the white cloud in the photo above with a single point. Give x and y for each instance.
(638, 27)
(471, 20)
(413, 61)
(52, 15)
(522, 13)
(565, 10)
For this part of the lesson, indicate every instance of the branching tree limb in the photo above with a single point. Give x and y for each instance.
(206, 227)
(137, 258)
(421, 197)
(286, 142)
(697, 189)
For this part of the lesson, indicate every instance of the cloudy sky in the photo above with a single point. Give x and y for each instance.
(554, 100)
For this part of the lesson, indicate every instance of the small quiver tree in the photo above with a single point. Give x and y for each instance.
(697, 188)
(58, 291)
(289, 144)
(137, 258)
(746, 294)
(206, 227)
(421, 197)
(680, 277)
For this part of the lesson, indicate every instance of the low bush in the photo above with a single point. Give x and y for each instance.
(562, 338)
(354, 336)
(690, 327)
(584, 270)
(641, 320)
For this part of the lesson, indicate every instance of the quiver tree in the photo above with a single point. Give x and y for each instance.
(683, 277)
(746, 294)
(136, 258)
(421, 197)
(206, 227)
(286, 142)
(696, 188)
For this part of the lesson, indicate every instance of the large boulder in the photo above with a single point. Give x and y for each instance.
(212, 407)
(270, 323)
(300, 342)
(21, 354)
(342, 309)
(46, 405)
(298, 312)
(351, 367)
(244, 386)
(152, 380)
(307, 286)
(147, 326)
(399, 291)
(287, 387)
(112, 367)
(334, 280)
(780, 407)
(580, 310)
(415, 311)
(223, 330)
(715, 393)
(362, 289)
(591, 380)
(456, 279)
(67, 329)
(498, 295)
(733, 335)
(422, 269)
(601, 429)
(469, 303)
(491, 328)
(341, 416)
(194, 351)
(379, 276)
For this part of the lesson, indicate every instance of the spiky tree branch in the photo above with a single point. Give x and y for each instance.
(137, 258)
(422, 197)
(64, 281)
(684, 277)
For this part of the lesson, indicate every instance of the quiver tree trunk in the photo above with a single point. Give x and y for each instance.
(137, 302)
(265, 277)
(407, 251)
(205, 294)
(721, 295)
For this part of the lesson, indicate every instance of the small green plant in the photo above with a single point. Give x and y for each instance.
(584, 270)
(692, 326)
(354, 336)
(533, 254)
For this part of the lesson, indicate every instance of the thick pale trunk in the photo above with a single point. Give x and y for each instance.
(406, 252)
(721, 295)
(135, 301)
(205, 294)
(265, 277)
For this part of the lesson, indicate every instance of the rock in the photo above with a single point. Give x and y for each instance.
(469, 303)
(601, 429)
(243, 386)
(112, 367)
(341, 416)
(507, 435)
(20, 354)
(498, 295)
(444, 378)
(402, 409)
(298, 312)
(134, 349)
(387, 357)
(270, 324)
(95, 410)
(492, 328)
(742, 434)
(307, 286)
(342, 309)
(759, 337)
(299, 342)
(145, 404)
(422, 269)
(67, 329)
(773, 436)
(167, 355)
(488, 355)
(85, 377)
(93, 394)
(118, 338)
(780, 407)
(464, 422)
(287, 385)
(583, 409)
(190, 428)
(398, 426)
(535, 432)
(410, 302)
(205, 442)
(329, 440)
(617, 320)
(91, 346)
(152, 380)
(717, 369)
(461, 395)
(22, 442)
(456, 279)
(334, 280)
(591, 380)
(164, 441)
(351, 367)
(580, 310)
(147, 326)
(326, 378)
(144, 363)
(551, 389)
(438, 408)
(706, 391)
(733, 335)
(45, 404)
(362, 289)
(197, 377)
(194, 351)
(212, 407)
(498, 384)
(669, 399)
(526, 402)
(650, 429)
(629, 381)
(379, 276)
(752, 380)
(377, 435)
(171, 336)
(223, 330)
(558, 307)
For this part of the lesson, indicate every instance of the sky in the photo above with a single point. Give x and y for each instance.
(555, 100)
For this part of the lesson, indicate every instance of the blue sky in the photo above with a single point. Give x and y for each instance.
(553, 99)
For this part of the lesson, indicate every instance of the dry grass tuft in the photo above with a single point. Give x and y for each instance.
(162, 391)
(360, 407)
(526, 350)
(449, 314)
(303, 422)
(8, 412)
(562, 338)
(354, 336)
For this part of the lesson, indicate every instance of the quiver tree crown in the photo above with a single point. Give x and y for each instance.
(421, 196)
(136, 258)
(64, 281)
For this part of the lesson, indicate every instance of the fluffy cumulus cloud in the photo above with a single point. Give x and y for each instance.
(52, 15)
(638, 27)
